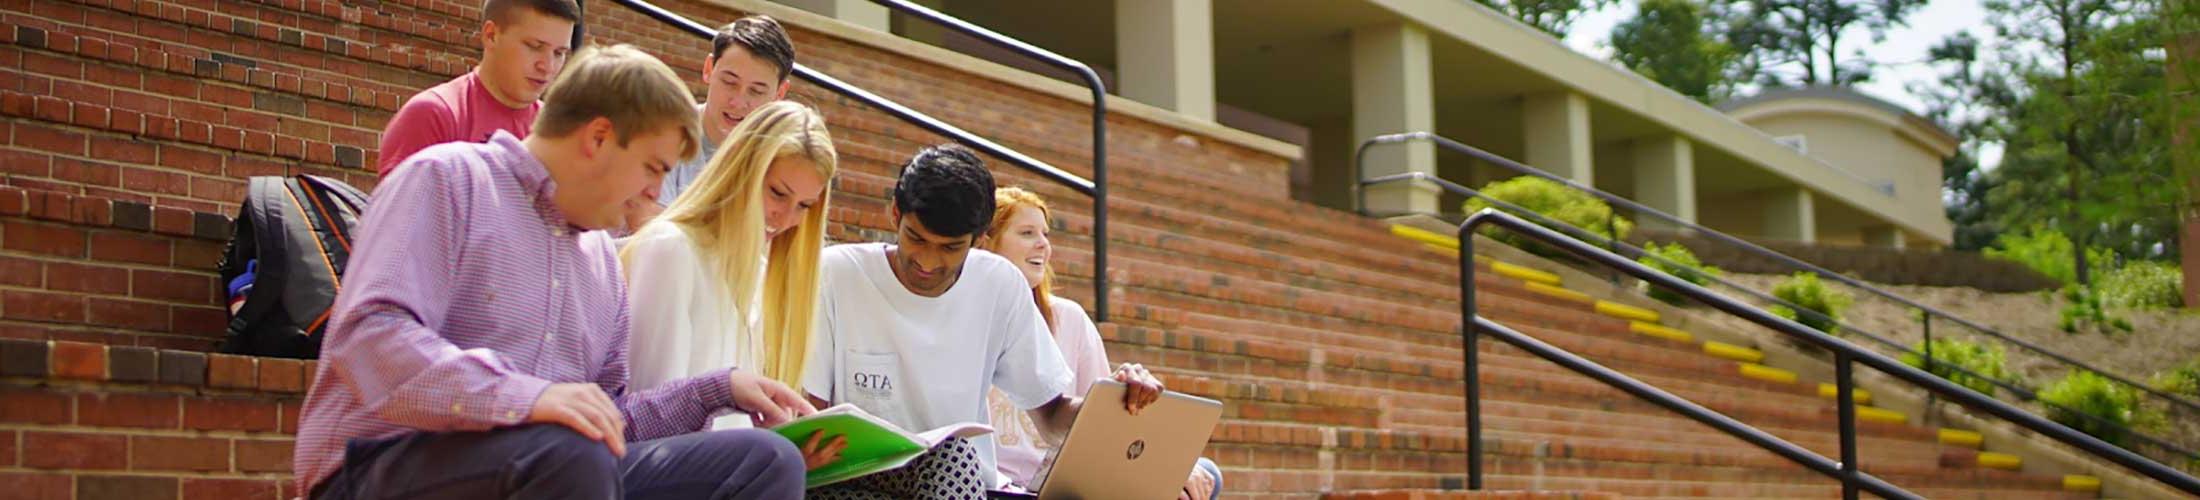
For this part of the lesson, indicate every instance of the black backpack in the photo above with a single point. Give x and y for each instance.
(295, 234)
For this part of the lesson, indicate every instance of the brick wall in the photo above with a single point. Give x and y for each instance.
(89, 269)
(106, 422)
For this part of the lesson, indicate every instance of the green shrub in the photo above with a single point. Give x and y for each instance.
(2083, 311)
(2047, 251)
(2183, 379)
(1683, 265)
(1554, 201)
(2080, 393)
(2143, 284)
(1805, 290)
(1950, 354)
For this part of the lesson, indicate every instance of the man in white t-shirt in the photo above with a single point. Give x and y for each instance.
(918, 332)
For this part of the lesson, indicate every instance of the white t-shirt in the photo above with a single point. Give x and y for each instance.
(1022, 450)
(926, 362)
(685, 322)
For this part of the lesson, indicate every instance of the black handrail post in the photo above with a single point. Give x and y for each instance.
(1925, 321)
(1611, 227)
(1844, 392)
(1099, 191)
(1471, 358)
(1099, 197)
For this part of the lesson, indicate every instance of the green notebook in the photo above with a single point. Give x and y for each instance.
(873, 444)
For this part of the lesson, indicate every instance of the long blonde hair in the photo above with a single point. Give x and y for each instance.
(1006, 201)
(724, 214)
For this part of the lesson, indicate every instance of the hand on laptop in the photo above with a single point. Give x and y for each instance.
(768, 401)
(1197, 487)
(1140, 388)
(819, 452)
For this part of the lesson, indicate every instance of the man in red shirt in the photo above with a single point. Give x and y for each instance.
(523, 45)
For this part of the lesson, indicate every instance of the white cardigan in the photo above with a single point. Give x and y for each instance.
(684, 322)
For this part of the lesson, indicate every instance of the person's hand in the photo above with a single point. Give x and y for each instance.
(768, 401)
(1197, 487)
(1140, 388)
(819, 452)
(585, 409)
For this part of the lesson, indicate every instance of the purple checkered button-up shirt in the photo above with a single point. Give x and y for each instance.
(466, 295)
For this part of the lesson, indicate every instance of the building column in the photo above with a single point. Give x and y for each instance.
(1665, 179)
(1885, 237)
(1556, 127)
(858, 12)
(1391, 93)
(1788, 215)
(1165, 54)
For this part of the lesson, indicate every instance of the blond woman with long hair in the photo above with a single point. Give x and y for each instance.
(728, 274)
(1019, 233)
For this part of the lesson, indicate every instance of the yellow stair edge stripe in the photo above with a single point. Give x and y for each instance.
(1734, 352)
(1447, 251)
(1523, 273)
(1766, 373)
(1863, 397)
(1883, 415)
(2081, 482)
(2003, 461)
(1559, 293)
(1627, 312)
(1660, 332)
(1959, 437)
(1424, 236)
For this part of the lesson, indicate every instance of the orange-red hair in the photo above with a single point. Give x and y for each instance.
(1006, 201)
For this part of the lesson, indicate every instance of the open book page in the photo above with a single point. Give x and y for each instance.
(873, 444)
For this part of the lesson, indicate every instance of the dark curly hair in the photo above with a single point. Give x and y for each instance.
(948, 189)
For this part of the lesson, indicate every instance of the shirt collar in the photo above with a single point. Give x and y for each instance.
(533, 177)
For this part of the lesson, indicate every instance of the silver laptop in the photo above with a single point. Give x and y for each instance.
(1111, 454)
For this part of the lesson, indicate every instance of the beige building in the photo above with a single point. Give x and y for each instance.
(1328, 74)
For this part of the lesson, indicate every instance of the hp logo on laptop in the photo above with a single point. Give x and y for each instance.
(1137, 448)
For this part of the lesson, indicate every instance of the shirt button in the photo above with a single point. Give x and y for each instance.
(458, 408)
(511, 415)
(553, 283)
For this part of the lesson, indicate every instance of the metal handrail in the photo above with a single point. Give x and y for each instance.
(1099, 188)
(1359, 158)
(1626, 249)
(1096, 188)
(1844, 355)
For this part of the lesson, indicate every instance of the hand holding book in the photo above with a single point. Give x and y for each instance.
(864, 444)
(819, 452)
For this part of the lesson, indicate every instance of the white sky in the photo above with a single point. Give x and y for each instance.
(1900, 55)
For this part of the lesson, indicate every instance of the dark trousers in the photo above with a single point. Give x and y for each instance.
(553, 462)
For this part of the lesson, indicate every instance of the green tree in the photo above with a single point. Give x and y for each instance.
(1551, 16)
(1958, 101)
(2086, 139)
(1805, 36)
(1670, 42)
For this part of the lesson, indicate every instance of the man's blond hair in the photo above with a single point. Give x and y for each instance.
(637, 92)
